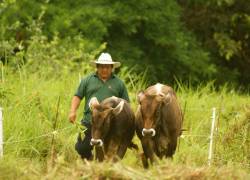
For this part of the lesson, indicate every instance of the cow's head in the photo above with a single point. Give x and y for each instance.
(150, 107)
(102, 116)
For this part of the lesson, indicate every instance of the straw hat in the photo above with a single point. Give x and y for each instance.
(105, 58)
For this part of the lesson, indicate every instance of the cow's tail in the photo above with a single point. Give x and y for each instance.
(133, 146)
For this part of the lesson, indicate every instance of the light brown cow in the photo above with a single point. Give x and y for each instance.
(113, 127)
(158, 121)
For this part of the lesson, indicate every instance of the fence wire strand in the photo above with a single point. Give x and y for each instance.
(38, 137)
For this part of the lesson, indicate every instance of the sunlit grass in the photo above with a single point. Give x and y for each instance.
(30, 104)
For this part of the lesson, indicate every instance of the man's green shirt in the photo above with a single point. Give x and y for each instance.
(93, 86)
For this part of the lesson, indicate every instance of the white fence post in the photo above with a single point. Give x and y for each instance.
(1, 133)
(210, 152)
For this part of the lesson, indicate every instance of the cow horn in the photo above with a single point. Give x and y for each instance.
(93, 101)
(118, 108)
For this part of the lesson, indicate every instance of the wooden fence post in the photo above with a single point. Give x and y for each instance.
(52, 150)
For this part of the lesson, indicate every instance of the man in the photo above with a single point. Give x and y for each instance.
(102, 84)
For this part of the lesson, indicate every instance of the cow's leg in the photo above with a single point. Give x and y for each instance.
(99, 153)
(171, 147)
(144, 161)
(122, 150)
(148, 149)
(112, 149)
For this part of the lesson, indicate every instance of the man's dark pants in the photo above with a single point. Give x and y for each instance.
(83, 146)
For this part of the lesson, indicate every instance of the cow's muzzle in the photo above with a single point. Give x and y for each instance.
(96, 142)
(148, 132)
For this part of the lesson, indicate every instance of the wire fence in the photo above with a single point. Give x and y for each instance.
(52, 133)
(220, 159)
(79, 126)
(55, 132)
(193, 135)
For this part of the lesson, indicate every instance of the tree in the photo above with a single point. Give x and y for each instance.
(142, 33)
(223, 27)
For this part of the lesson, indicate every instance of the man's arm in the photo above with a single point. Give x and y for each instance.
(74, 106)
(76, 100)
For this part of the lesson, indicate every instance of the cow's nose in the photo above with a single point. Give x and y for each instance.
(96, 142)
(148, 132)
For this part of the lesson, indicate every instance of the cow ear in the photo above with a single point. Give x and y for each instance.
(140, 96)
(118, 108)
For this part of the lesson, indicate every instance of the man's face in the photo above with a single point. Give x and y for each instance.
(104, 71)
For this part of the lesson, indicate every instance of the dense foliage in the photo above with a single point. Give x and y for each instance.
(148, 34)
(192, 41)
(222, 26)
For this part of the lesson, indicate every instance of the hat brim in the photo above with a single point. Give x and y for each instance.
(115, 64)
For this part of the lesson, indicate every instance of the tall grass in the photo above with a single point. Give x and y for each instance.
(232, 112)
(33, 82)
(30, 106)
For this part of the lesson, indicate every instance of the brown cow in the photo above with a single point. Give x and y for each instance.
(113, 127)
(158, 121)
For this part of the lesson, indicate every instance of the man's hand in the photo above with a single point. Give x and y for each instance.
(74, 106)
(72, 117)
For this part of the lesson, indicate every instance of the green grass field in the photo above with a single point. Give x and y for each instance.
(33, 102)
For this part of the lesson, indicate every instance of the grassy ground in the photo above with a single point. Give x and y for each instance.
(32, 103)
